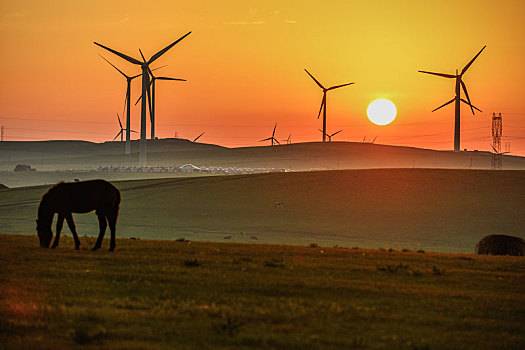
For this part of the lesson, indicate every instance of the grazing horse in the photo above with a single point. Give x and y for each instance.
(78, 197)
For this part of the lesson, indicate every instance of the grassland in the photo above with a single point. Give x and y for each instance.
(432, 209)
(168, 294)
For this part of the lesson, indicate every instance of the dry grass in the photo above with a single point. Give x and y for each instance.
(144, 296)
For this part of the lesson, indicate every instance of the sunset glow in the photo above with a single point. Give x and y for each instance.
(244, 65)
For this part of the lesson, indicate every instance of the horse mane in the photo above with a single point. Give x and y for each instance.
(52, 189)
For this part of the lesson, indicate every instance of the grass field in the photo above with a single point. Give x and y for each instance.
(167, 294)
(429, 209)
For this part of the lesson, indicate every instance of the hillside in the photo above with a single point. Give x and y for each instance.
(430, 209)
(60, 155)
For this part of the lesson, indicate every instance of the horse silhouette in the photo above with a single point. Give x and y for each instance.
(78, 197)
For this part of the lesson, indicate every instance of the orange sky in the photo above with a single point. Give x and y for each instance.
(244, 63)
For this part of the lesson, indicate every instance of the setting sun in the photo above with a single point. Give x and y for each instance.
(381, 112)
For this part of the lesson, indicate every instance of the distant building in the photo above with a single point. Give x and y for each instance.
(23, 167)
(189, 168)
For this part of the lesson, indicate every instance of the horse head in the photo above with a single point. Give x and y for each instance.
(44, 233)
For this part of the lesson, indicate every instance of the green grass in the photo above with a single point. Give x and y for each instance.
(416, 209)
(255, 296)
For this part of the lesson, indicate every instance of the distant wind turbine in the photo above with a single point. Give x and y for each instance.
(145, 88)
(288, 140)
(323, 103)
(122, 129)
(459, 85)
(127, 102)
(198, 137)
(330, 135)
(272, 138)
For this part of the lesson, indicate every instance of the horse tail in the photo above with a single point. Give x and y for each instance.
(116, 201)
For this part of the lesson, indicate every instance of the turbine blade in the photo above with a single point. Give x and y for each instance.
(119, 121)
(374, 139)
(149, 102)
(154, 69)
(472, 60)
(276, 141)
(166, 78)
(135, 76)
(273, 133)
(476, 108)
(194, 140)
(163, 51)
(120, 132)
(466, 95)
(126, 57)
(104, 58)
(438, 74)
(269, 138)
(138, 100)
(443, 105)
(322, 105)
(125, 102)
(141, 54)
(133, 131)
(337, 132)
(338, 86)
(318, 83)
(494, 148)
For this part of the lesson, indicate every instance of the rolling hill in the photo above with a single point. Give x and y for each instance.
(60, 155)
(431, 209)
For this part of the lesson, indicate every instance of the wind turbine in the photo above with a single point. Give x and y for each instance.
(459, 85)
(145, 88)
(198, 137)
(330, 135)
(288, 140)
(121, 132)
(272, 138)
(323, 103)
(127, 102)
(152, 102)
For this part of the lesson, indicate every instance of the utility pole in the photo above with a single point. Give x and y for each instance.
(497, 131)
(2, 134)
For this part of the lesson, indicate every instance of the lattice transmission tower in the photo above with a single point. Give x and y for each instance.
(497, 131)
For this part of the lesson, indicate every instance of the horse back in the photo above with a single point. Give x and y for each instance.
(85, 196)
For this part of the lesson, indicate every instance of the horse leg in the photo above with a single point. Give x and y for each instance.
(71, 224)
(60, 223)
(112, 221)
(102, 224)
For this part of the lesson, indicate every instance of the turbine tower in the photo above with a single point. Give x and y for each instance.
(323, 103)
(272, 138)
(145, 88)
(459, 85)
(152, 101)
